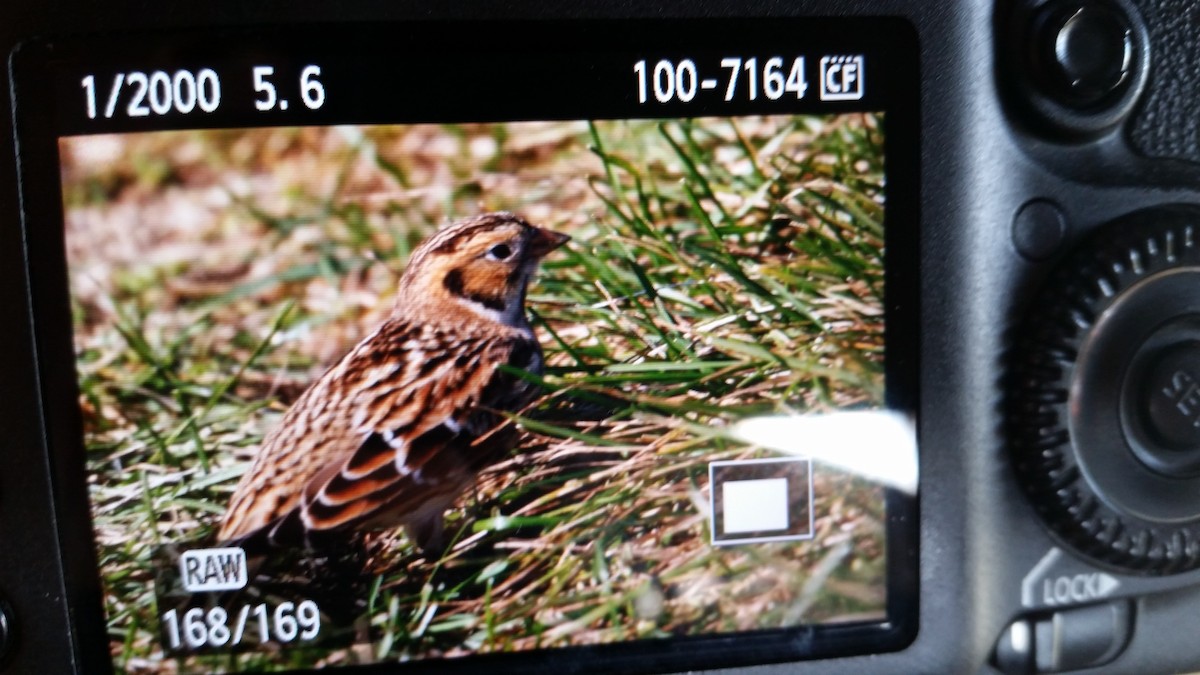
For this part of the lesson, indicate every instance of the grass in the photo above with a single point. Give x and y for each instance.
(717, 270)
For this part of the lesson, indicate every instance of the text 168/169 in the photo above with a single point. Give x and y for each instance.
(209, 627)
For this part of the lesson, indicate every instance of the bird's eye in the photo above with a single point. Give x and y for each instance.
(499, 252)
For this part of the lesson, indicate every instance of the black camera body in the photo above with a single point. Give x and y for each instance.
(1040, 166)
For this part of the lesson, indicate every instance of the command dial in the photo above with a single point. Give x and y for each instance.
(1104, 398)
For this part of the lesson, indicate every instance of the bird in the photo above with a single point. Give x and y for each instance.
(397, 429)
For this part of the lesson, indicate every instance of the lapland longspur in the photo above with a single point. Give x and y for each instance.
(398, 428)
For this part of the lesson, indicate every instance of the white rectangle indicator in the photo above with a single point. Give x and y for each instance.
(759, 505)
(842, 78)
(213, 569)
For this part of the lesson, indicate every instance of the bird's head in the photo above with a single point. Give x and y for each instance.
(482, 264)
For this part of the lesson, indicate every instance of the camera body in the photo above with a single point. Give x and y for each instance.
(1045, 353)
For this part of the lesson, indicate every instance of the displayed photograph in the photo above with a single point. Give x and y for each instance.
(365, 394)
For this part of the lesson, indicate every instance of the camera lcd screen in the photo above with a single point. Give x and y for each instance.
(612, 369)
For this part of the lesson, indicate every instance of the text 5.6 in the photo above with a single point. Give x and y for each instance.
(143, 94)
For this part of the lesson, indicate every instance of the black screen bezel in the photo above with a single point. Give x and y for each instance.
(40, 69)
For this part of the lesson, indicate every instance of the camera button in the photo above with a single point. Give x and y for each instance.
(1081, 65)
(1112, 341)
(1160, 398)
(1092, 53)
(1171, 397)
(1085, 637)
(1039, 229)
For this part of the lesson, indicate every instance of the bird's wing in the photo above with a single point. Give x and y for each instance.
(372, 435)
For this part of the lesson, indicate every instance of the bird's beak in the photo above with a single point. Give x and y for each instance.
(545, 241)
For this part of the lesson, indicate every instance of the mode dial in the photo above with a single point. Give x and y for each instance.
(1104, 398)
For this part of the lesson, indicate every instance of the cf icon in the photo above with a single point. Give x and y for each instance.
(841, 78)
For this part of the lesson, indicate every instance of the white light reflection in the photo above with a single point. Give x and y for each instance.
(880, 446)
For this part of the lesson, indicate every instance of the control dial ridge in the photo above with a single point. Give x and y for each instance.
(1104, 396)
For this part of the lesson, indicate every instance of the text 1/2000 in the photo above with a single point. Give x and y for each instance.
(158, 93)
(211, 627)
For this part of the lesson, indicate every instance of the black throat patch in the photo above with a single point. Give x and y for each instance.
(454, 283)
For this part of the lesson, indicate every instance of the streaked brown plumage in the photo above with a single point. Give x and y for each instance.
(401, 425)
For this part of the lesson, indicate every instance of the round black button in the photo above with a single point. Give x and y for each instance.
(1094, 49)
(1087, 52)
(1171, 397)
(1039, 229)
